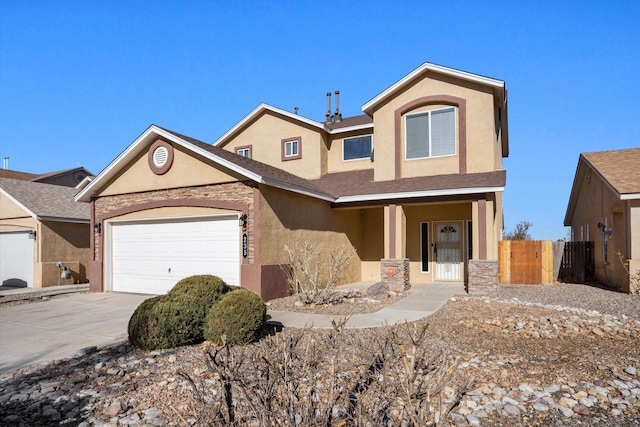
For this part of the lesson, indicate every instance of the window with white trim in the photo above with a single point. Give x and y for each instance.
(359, 147)
(430, 133)
(244, 152)
(291, 148)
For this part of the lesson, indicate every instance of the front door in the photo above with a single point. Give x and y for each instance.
(448, 251)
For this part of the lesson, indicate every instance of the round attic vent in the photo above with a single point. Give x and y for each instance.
(160, 157)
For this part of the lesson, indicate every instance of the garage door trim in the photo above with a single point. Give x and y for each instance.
(109, 225)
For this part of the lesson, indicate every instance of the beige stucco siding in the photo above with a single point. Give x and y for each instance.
(595, 200)
(265, 135)
(10, 210)
(64, 242)
(480, 130)
(286, 218)
(186, 170)
(335, 153)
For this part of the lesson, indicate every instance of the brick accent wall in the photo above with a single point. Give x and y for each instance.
(231, 196)
(395, 274)
(483, 277)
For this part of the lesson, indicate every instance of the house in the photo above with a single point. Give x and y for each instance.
(68, 177)
(604, 207)
(42, 225)
(415, 184)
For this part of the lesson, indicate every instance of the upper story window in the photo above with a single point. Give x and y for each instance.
(356, 148)
(244, 151)
(430, 133)
(291, 148)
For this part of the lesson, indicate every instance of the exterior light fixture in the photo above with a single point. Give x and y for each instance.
(32, 234)
(97, 227)
(242, 221)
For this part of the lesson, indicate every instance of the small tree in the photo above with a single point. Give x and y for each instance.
(315, 270)
(521, 232)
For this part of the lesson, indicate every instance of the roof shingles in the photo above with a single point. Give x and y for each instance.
(46, 201)
(621, 168)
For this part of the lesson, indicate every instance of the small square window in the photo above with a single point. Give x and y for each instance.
(291, 148)
(356, 148)
(244, 151)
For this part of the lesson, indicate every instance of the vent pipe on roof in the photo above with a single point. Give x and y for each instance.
(295, 110)
(338, 115)
(6, 163)
(328, 115)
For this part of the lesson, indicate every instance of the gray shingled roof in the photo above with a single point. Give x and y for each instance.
(46, 201)
(621, 168)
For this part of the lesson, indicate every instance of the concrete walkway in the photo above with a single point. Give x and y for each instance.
(422, 301)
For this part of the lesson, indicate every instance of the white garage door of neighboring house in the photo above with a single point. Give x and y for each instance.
(16, 259)
(149, 257)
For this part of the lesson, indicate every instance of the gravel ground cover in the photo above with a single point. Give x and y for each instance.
(560, 355)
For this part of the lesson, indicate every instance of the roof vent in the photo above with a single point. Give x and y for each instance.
(338, 114)
(160, 156)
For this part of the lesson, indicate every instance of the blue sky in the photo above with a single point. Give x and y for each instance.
(80, 80)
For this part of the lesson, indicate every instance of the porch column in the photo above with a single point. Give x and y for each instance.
(394, 268)
(483, 268)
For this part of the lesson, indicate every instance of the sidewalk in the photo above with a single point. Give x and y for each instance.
(422, 301)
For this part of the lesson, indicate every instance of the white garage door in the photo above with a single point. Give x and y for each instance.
(16, 259)
(149, 257)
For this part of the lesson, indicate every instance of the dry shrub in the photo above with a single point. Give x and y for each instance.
(316, 269)
(384, 376)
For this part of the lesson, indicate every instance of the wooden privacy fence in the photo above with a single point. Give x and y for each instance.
(528, 262)
(577, 264)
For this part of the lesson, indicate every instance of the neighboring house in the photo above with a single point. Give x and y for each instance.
(604, 207)
(68, 177)
(415, 185)
(41, 225)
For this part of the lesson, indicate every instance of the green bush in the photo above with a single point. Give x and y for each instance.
(203, 285)
(142, 324)
(177, 318)
(240, 316)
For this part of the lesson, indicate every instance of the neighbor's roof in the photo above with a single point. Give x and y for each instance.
(23, 176)
(38, 177)
(45, 201)
(619, 168)
(345, 187)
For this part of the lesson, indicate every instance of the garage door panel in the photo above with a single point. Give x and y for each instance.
(150, 257)
(16, 259)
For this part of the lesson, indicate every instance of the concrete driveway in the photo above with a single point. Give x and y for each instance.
(63, 325)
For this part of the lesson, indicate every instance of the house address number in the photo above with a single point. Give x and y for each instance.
(245, 245)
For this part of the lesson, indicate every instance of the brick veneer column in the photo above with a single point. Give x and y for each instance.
(395, 274)
(483, 277)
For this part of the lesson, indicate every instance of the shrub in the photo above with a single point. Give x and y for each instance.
(142, 324)
(177, 318)
(240, 317)
(205, 286)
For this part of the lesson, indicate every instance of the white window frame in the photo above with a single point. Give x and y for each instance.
(429, 112)
(292, 143)
(247, 150)
(359, 158)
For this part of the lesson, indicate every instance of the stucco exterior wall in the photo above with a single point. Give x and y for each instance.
(65, 242)
(479, 123)
(335, 153)
(594, 201)
(286, 218)
(186, 170)
(265, 135)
